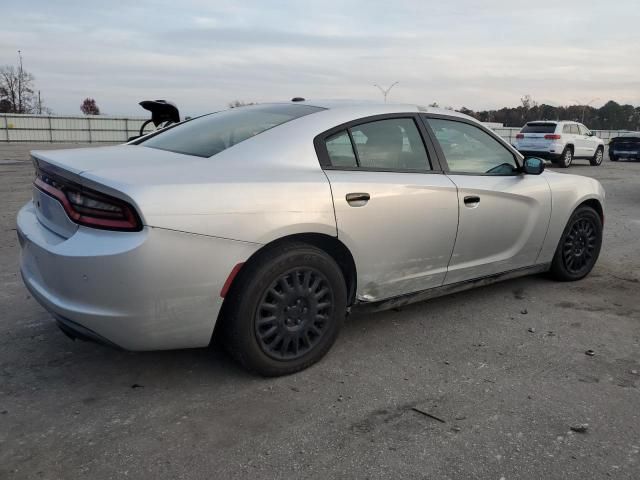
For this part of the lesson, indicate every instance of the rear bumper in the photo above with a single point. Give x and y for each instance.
(149, 290)
(74, 330)
(541, 154)
(635, 155)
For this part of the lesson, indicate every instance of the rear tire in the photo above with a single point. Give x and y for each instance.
(596, 161)
(285, 310)
(566, 158)
(579, 246)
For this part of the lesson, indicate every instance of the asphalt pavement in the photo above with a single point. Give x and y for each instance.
(484, 384)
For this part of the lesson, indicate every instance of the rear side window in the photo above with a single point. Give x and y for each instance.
(393, 144)
(205, 136)
(566, 129)
(539, 128)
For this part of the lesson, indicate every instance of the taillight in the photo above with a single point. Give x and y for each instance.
(552, 137)
(520, 135)
(88, 207)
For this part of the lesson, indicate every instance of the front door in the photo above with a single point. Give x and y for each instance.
(395, 211)
(587, 142)
(504, 214)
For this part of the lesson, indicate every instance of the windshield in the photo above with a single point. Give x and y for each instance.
(210, 134)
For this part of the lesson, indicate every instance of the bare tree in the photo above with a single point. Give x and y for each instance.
(17, 93)
(528, 102)
(89, 107)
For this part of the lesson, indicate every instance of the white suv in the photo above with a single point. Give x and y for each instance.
(559, 142)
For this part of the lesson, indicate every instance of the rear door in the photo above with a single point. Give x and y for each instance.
(395, 209)
(504, 214)
(577, 140)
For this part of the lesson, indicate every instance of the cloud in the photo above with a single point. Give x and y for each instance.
(203, 54)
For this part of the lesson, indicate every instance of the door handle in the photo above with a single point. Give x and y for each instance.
(472, 201)
(357, 199)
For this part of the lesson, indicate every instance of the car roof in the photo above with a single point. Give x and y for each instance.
(554, 122)
(377, 107)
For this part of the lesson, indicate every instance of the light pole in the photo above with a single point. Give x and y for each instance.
(584, 106)
(20, 82)
(385, 92)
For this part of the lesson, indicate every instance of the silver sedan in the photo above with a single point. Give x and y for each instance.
(264, 225)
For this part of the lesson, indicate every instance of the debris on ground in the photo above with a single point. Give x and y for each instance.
(580, 427)
(524, 311)
(531, 330)
(590, 352)
(137, 385)
(427, 414)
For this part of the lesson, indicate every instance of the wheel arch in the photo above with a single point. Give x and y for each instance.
(330, 245)
(595, 204)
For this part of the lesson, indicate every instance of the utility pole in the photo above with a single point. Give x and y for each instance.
(20, 82)
(39, 104)
(584, 106)
(385, 92)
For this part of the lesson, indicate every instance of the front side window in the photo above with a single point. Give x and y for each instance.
(210, 134)
(583, 130)
(469, 149)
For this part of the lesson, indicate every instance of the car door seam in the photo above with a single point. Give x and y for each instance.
(455, 240)
(333, 201)
(546, 233)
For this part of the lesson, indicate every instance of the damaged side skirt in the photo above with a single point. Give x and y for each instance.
(422, 295)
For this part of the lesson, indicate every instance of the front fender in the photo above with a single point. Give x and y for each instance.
(568, 192)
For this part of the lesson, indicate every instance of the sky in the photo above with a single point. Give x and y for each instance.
(203, 54)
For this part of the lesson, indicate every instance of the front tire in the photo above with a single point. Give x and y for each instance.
(597, 157)
(286, 309)
(566, 158)
(579, 246)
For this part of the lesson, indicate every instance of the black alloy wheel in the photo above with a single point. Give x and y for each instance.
(284, 309)
(294, 313)
(579, 246)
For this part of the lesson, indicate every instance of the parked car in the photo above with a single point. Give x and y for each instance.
(265, 224)
(626, 145)
(560, 142)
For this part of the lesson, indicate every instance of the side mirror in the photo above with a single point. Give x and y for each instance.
(533, 166)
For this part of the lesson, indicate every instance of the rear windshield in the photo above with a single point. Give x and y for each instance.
(205, 136)
(539, 128)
